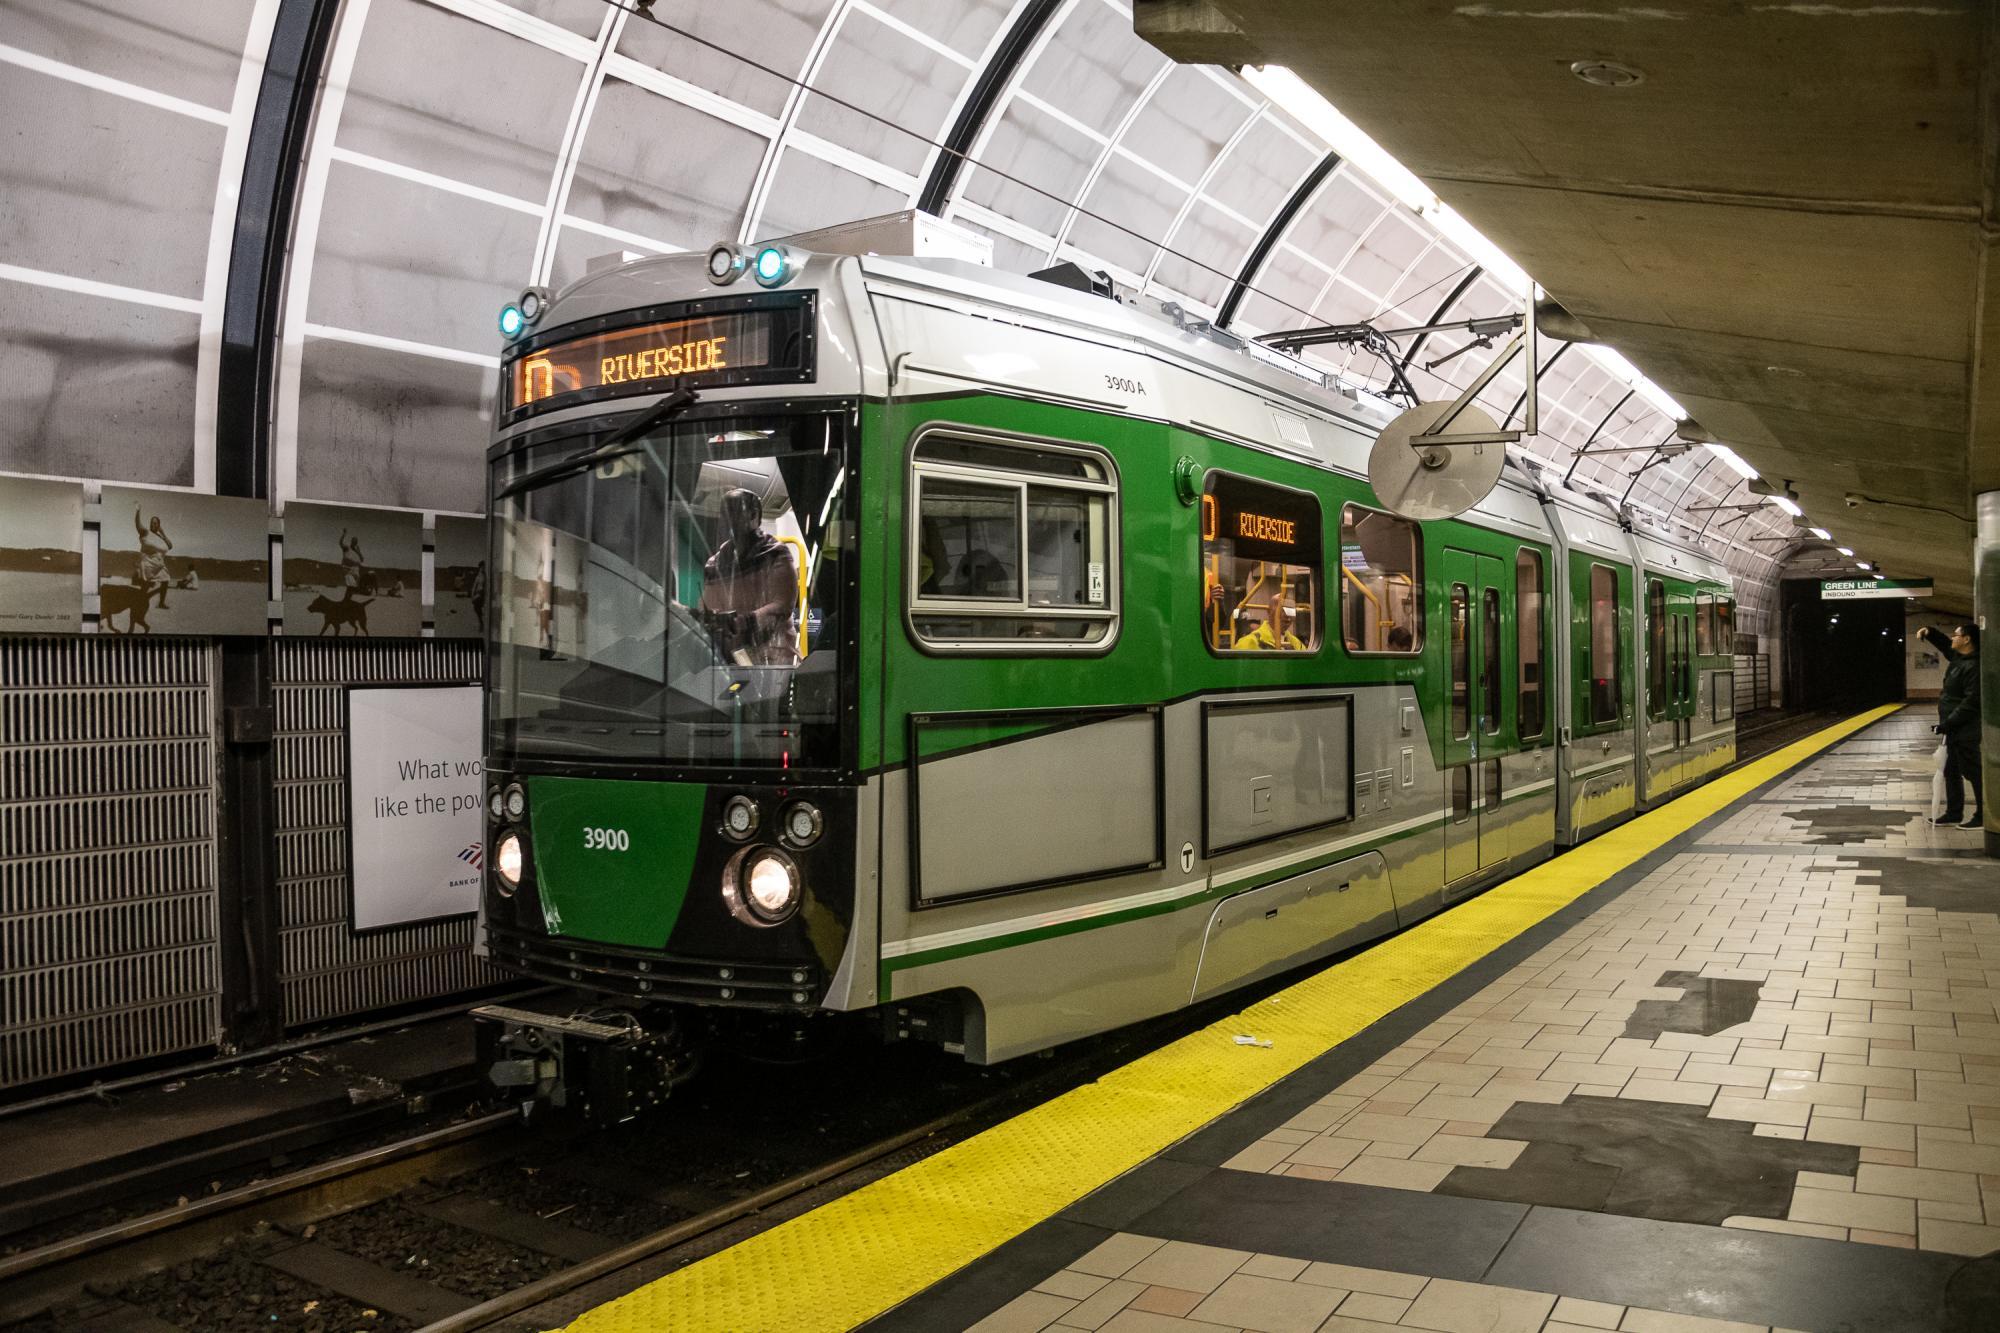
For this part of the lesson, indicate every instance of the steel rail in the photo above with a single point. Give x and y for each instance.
(542, 1290)
(215, 1205)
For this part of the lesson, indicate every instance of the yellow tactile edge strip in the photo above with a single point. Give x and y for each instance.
(862, 1254)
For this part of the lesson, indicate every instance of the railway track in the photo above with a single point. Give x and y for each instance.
(486, 1224)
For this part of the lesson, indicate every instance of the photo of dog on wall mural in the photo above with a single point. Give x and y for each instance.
(355, 572)
(176, 562)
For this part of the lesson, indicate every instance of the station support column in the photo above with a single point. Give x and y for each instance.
(1986, 613)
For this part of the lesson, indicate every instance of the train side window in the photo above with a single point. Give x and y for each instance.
(1656, 648)
(1261, 555)
(1704, 625)
(1012, 545)
(1381, 583)
(1489, 651)
(1725, 626)
(1607, 673)
(1529, 643)
(1461, 664)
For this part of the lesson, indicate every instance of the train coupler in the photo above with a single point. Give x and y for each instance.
(599, 1065)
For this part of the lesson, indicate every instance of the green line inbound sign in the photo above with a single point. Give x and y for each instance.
(1850, 590)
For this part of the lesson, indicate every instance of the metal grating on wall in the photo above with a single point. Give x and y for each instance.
(327, 971)
(107, 853)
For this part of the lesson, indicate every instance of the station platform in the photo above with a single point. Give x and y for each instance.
(1735, 1064)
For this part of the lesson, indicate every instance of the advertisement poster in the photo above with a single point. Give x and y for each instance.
(353, 571)
(414, 792)
(41, 556)
(174, 562)
(459, 609)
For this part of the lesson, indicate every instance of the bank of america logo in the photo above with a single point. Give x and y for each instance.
(474, 855)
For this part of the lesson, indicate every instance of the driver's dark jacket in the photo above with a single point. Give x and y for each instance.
(1958, 702)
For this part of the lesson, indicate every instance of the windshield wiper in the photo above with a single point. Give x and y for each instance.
(618, 446)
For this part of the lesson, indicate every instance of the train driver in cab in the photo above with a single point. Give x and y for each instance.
(1278, 630)
(750, 588)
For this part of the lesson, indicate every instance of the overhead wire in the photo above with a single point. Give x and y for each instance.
(966, 158)
(644, 13)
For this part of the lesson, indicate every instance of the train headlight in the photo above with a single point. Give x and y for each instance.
(740, 818)
(725, 264)
(803, 823)
(761, 886)
(772, 266)
(516, 802)
(496, 803)
(512, 321)
(507, 862)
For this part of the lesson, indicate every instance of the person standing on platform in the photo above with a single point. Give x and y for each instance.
(1958, 722)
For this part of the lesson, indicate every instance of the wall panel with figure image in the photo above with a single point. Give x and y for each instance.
(173, 562)
(353, 572)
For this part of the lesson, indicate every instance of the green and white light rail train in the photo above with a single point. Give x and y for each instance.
(1007, 663)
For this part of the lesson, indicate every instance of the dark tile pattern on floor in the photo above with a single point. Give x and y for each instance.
(1954, 886)
(1707, 1006)
(1835, 825)
(1358, 1224)
(1791, 1281)
(1646, 1159)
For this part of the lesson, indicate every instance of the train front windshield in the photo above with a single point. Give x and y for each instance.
(677, 602)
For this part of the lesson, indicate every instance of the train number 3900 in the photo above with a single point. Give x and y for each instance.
(606, 840)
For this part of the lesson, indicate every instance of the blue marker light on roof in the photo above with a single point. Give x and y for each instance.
(772, 265)
(512, 321)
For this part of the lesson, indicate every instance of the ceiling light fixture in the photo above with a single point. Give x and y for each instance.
(1786, 503)
(1821, 533)
(1608, 73)
(1735, 461)
(1847, 551)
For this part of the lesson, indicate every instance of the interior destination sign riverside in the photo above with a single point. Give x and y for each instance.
(1265, 528)
(1854, 590)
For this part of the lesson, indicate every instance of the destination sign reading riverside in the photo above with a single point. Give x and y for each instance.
(741, 347)
(1260, 522)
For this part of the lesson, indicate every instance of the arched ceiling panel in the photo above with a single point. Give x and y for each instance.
(492, 116)
(968, 27)
(578, 16)
(898, 76)
(1092, 68)
(780, 32)
(1207, 248)
(1032, 143)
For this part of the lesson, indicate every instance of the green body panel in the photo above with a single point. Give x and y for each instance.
(629, 897)
(1580, 563)
(1160, 654)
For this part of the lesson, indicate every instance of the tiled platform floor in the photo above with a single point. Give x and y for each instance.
(1772, 1045)
(1867, 1022)
(1141, 1284)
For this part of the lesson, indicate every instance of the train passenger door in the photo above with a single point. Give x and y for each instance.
(1473, 703)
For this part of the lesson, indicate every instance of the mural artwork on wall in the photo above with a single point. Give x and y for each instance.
(175, 562)
(353, 571)
(461, 601)
(41, 556)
